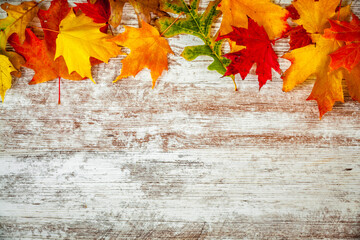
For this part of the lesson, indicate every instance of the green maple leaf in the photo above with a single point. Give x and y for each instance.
(197, 24)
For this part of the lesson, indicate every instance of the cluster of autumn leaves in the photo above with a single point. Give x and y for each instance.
(323, 41)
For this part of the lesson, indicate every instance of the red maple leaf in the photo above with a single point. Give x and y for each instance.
(347, 56)
(100, 11)
(258, 50)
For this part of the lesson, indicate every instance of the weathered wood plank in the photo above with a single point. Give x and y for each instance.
(191, 159)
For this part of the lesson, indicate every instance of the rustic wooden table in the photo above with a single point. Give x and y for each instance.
(191, 159)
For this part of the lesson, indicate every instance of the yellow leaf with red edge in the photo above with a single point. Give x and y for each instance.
(5, 78)
(267, 14)
(79, 39)
(148, 50)
(314, 60)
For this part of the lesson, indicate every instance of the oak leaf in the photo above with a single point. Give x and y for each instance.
(258, 50)
(267, 14)
(5, 78)
(148, 50)
(79, 39)
(199, 25)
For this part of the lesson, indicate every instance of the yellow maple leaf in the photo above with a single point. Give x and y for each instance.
(148, 50)
(5, 78)
(315, 60)
(79, 39)
(264, 12)
(314, 15)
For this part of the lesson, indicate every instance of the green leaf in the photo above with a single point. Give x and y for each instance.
(196, 24)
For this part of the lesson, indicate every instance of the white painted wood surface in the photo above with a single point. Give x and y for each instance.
(191, 159)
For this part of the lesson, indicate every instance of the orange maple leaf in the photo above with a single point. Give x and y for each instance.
(148, 50)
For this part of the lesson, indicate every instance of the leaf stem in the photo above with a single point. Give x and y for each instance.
(46, 29)
(233, 78)
(59, 101)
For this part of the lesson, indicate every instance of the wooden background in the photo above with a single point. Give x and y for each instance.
(191, 159)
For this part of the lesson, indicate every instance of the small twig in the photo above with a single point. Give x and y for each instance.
(112, 33)
(233, 78)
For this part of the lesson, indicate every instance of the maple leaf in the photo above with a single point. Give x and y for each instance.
(148, 50)
(267, 14)
(18, 18)
(258, 50)
(312, 18)
(5, 78)
(196, 24)
(79, 39)
(327, 88)
(39, 54)
(349, 55)
(99, 11)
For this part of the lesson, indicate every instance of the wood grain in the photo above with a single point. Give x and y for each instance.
(191, 159)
